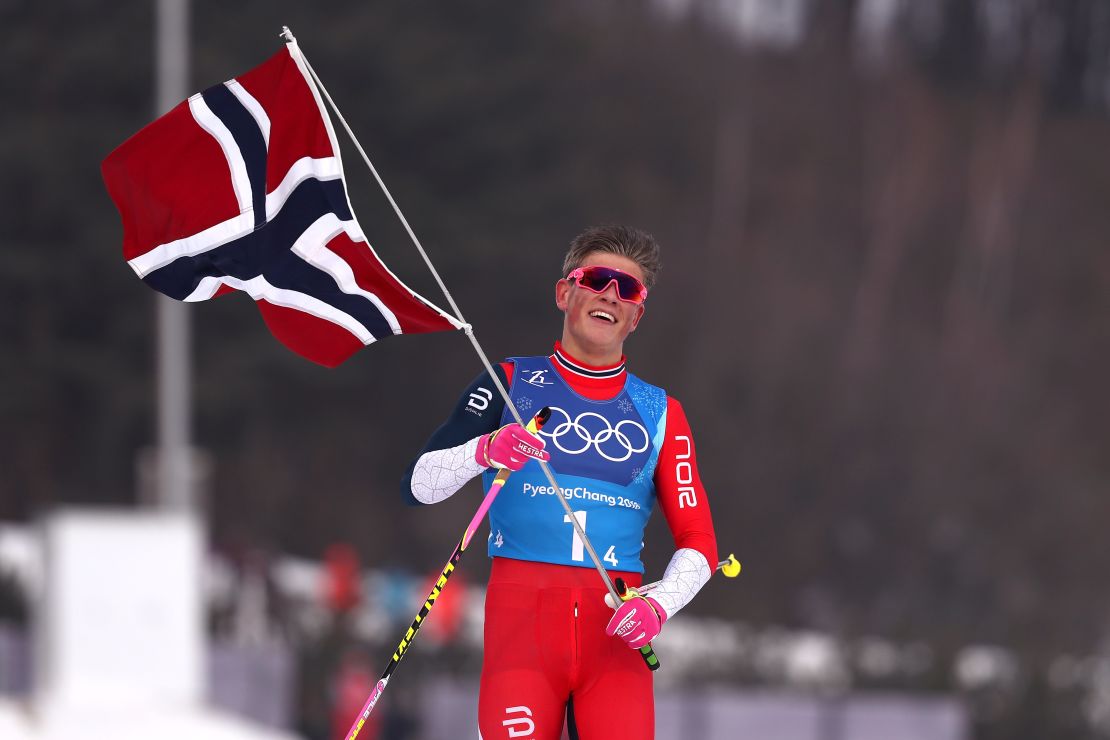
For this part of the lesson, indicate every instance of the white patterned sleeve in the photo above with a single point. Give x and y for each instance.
(687, 572)
(438, 474)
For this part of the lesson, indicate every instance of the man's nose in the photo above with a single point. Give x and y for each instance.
(611, 293)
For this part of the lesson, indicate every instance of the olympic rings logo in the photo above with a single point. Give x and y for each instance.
(587, 439)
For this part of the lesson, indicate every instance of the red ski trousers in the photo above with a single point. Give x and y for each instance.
(545, 644)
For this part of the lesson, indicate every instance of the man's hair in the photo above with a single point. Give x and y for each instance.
(638, 246)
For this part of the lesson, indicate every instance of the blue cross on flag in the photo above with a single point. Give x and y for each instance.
(241, 187)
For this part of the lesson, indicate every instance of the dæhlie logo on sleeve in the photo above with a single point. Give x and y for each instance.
(479, 401)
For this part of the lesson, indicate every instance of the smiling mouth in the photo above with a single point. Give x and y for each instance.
(603, 315)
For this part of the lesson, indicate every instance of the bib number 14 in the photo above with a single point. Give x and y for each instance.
(577, 550)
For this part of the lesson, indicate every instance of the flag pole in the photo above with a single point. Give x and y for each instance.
(174, 357)
(464, 325)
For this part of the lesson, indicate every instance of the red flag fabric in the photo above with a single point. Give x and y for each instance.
(241, 187)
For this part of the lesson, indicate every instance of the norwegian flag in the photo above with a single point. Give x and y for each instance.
(240, 187)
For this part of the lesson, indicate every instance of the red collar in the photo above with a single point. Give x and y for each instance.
(597, 383)
(567, 363)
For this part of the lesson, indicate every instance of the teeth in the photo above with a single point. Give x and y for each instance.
(604, 315)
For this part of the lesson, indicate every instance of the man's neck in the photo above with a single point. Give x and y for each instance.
(596, 382)
(597, 357)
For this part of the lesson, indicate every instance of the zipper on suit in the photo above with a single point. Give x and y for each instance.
(576, 657)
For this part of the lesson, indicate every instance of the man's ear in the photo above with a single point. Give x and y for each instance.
(562, 294)
(639, 315)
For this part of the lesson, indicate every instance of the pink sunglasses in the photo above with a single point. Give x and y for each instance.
(597, 279)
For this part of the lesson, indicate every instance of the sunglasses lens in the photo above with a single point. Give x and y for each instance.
(597, 279)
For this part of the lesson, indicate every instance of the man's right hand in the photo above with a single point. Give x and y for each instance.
(509, 447)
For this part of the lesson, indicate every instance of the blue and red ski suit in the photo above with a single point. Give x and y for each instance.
(618, 447)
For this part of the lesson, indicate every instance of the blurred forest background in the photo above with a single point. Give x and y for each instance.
(885, 302)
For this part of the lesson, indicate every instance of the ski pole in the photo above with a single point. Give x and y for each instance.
(730, 567)
(533, 426)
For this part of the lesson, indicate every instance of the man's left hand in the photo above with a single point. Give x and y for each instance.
(637, 621)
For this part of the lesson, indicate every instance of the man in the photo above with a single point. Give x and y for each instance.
(617, 446)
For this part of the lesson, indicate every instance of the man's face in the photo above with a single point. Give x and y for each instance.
(599, 322)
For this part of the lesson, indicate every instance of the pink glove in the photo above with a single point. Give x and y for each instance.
(509, 447)
(637, 621)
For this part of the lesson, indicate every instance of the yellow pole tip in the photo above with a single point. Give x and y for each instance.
(731, 569)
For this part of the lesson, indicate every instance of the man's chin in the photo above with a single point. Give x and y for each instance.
(603, 339)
